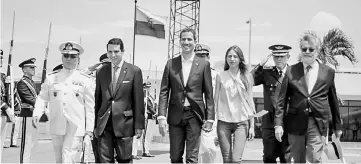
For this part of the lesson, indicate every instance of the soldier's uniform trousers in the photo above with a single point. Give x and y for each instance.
(29, 139)
(3, 130)
(66, 146)
(15, 131)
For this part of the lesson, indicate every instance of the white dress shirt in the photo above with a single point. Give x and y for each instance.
(117, 71)
(313, 74)
(186, 69)
(283, 71)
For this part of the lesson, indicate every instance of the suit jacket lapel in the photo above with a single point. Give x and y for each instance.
(121, 76)
(193, 69)
(178, 67)
(301, 72)
(108, 77)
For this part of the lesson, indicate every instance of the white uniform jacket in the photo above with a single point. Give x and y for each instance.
(70, 97)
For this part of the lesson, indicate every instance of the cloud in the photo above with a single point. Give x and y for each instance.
(322, 22)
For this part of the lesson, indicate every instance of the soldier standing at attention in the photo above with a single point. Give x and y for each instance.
(27, 94)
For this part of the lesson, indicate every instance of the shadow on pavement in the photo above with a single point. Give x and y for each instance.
(252, 161)
(158, 152)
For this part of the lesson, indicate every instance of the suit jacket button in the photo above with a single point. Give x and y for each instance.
(182, 101)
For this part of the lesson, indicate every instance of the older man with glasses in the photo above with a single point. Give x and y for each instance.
(69, 93)
(308, 96)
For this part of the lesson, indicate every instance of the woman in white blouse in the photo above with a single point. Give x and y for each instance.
(234, 106)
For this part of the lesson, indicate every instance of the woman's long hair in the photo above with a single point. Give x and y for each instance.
(245, 75)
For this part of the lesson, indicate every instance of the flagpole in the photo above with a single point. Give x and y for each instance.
(135, 27)
(249, 48)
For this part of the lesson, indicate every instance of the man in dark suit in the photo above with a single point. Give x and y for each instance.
(119, 105)
(186, 79)
(271, 78)
(27, 92)
(308, 91)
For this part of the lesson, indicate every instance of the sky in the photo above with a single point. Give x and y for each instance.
(222, 24)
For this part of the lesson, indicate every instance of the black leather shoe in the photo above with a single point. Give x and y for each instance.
(136, 157)
(147, 155)
(16, 146)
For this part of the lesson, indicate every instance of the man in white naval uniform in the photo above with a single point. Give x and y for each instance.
(70, 95)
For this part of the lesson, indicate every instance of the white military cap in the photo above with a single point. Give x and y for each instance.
(202, 48)
(71, 48)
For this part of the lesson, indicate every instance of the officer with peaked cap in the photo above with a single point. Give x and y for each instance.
(271, 78)
(91, 69)
(27, 95)
(203, 51)
(70, 96)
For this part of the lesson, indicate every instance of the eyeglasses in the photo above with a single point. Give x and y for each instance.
(73, 56)
(309, 49)
(202, 55)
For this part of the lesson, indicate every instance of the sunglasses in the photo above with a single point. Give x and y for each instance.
(202, 55)
(73, 56)
(309, 49)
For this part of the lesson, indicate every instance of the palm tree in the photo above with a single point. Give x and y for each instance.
(335, 43)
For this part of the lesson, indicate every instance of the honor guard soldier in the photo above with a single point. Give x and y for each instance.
(150, 116)
(26, 90)
(271, 79)
(70, 96)
(6, 112)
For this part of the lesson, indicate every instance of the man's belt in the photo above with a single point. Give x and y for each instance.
(187, 108)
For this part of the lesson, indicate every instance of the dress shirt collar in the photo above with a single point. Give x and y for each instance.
(283, 70)
(313, 65)
(120, 64)
(189, 60)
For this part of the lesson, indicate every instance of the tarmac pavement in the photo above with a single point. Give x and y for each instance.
(252, 153)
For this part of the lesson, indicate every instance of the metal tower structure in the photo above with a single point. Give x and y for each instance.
(183, 13)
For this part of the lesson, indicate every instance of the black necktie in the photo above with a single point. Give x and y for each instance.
(307, 74)
(280, 73)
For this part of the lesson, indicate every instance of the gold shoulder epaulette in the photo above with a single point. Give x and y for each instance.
(54, 72)
(84, 74)
(267, 67)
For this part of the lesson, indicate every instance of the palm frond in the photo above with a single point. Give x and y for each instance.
(335, 43)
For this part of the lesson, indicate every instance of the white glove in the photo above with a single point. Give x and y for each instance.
(11, 115)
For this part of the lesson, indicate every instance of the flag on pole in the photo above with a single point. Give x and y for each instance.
(149, 24)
